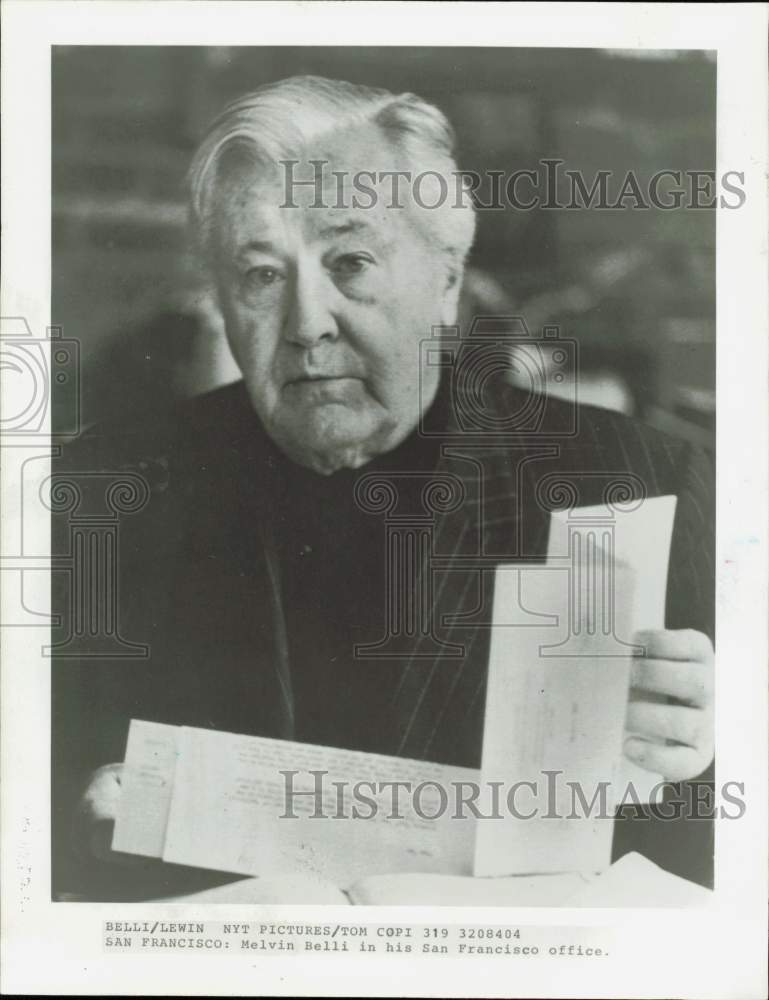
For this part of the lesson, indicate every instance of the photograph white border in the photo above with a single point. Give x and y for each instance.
(718, 951)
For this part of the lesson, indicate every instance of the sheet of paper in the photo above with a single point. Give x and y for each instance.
(558, 704)
(636, 881)
(233, 810)
(555, 711)
(453, 890)
(294, 889)
(640, 537)
(147, 786)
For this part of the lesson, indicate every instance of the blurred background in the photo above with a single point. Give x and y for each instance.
(634, 288)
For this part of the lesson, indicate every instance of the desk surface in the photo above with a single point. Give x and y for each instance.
(633, 881)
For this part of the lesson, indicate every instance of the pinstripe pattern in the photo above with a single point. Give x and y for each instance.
(437, 711)
(195, 584)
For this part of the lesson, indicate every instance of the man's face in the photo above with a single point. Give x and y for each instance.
(325, 308)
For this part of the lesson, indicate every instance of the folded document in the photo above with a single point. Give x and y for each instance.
(254, 806)
(558, 686)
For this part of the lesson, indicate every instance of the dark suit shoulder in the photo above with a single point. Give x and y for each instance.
(590, 440)
(203, 424)
(583, 424)
(183, 466)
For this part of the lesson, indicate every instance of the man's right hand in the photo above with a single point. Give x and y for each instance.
(94, 820)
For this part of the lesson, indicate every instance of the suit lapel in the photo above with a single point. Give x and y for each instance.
(437, 710)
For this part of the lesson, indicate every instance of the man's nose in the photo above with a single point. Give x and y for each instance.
(310, 318)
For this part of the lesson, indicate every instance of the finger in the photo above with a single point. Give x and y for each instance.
(93, 819)
(687, 681)
(674, 763)
(666, 722)
(671, 644)
(101, 798)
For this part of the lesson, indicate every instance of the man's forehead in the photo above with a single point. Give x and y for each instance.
(341, 186)
(260, 217)
(357, 150)
(260, 212)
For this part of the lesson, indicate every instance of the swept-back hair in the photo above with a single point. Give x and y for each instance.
(283, 120)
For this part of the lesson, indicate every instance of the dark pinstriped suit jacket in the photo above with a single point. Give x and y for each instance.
(197, 584)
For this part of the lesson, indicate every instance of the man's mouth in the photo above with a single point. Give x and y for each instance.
(325, 377)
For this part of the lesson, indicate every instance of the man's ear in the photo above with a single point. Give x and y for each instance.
(450, 302)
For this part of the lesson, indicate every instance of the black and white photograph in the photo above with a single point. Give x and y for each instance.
(371, 473)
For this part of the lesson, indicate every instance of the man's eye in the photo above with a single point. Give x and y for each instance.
(262, 276)
(351, 264)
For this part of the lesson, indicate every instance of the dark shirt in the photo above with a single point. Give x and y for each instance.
(332, 562)
(196, 586)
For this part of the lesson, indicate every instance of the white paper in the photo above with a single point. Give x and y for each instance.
(229, 811)
(453, 890)
(558, 683)
(555, 710)
(284, 889)
(146, 788)
(640, 537)
(635, 881)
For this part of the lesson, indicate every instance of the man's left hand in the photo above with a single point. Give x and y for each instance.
(675, 740)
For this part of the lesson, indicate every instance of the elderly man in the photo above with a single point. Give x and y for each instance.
(257, 574)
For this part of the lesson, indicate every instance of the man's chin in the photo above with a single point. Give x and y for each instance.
(345, 440)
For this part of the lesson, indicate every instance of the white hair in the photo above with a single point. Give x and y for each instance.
(282, 120)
